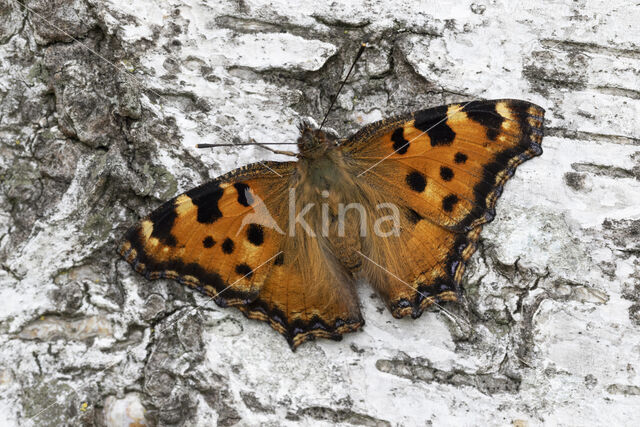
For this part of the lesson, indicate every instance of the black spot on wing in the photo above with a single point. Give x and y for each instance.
(485, 114)
(446, 173)
(244, 195)
(449, 202)
(227, 246)
(434, 122)
(163, 219)
(416, 181)
(206, 198)
(255, 234)
(244, 270)
(152, 268)
(400, 145)
(460, 158)
(152, 265)
(208, 242)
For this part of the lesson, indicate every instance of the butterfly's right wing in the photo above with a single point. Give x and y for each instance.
(444, 168)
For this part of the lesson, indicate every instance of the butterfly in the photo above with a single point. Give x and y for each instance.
(400, 203)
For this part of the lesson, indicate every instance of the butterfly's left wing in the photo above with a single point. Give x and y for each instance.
(444, 168)
(228, 239)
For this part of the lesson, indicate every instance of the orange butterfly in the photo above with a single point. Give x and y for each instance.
(285, 243)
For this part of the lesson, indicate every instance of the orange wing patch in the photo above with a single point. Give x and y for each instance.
(447, 166)
(456, 156)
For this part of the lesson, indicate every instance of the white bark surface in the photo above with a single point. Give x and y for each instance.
(101, 104)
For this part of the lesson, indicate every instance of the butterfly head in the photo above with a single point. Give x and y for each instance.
(313, 142)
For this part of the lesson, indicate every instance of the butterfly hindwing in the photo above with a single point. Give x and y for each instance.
(301, 311)
(446, 167)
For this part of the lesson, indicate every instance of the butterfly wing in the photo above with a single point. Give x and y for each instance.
(302, 310)
(227, 239)
(201, 238)
(445, 167)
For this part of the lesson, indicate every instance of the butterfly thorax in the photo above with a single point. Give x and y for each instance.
(321, 165)
(314, 143)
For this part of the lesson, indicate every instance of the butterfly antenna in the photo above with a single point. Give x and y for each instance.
(358, 55)
(264, 145)
(241, 144)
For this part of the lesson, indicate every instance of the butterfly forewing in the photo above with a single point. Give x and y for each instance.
(201, 237)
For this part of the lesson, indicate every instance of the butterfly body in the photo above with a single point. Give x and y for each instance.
(401, 204)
